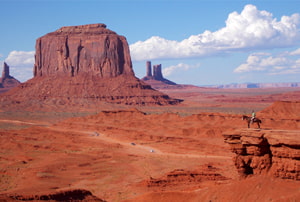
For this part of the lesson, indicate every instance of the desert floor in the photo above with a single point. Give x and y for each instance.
(138, 153)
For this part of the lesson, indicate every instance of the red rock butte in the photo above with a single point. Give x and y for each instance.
(7, 81)
(82, 66)
(90, 49)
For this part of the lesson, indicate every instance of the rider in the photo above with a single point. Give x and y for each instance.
(253, 115)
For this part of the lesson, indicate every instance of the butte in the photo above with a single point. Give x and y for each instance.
(7, 81)
(82, 67)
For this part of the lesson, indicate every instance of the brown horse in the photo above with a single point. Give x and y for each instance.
(248, 119)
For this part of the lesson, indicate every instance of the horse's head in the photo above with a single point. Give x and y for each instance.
(244, 117)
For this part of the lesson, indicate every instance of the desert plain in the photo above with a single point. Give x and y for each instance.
(145, 153)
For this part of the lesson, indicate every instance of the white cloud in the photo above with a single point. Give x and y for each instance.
(179, 67)
(282, 63)
(19, 58)
(249, 30)
(21, 64)
(296, 52)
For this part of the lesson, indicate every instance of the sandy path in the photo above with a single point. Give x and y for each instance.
(136, 148)
(18, 122)
(133, 147)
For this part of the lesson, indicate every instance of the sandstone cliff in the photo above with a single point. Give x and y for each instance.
(276, 152)
(91, 49)
(82, 67)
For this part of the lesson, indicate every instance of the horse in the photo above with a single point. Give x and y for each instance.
(248, 119)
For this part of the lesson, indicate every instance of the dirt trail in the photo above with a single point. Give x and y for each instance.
(103, 137)
(18, 122)
(135, 148)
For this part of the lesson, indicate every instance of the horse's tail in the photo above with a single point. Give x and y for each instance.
(259, 121)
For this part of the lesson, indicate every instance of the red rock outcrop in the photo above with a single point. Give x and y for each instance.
(82, 66)
(276, 152)
(179, 178)
(283, 110)
(69, 195)
(91, 49)
(7, 81)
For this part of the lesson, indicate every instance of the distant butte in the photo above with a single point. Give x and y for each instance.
(7, 81)
(157, 81)
(82, 67)
(157, 75)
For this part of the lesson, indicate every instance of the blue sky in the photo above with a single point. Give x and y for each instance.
(197, 42)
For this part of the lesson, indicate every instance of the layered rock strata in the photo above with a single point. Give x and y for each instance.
(276, 152)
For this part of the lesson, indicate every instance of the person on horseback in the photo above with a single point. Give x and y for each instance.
(253, 115)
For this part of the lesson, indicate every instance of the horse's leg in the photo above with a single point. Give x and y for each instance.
(248, 124)
(258, 124)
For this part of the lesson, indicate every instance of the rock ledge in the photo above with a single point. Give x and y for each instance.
(276, 152)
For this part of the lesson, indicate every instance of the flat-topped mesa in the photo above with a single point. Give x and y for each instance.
(98, 28)
(85, 49)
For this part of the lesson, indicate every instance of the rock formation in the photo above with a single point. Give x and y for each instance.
(82, 66)
(156, 80)
(5, 73)
(90, 49)
(7, 81)
(157, 73)
(67, 195)
(148, 69)
(266, 151)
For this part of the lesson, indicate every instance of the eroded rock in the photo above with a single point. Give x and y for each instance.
(261, 151)
(7, 81)
(74, 50)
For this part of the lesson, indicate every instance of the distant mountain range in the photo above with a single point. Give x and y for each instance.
(259, 85)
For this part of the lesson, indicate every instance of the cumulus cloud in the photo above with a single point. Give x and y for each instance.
(21, 64)
(282, 63)
(20, 58)
(296, 52)
(249, 30)
(179, 67)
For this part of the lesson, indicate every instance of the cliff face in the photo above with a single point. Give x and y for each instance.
(74, 50)
(276, 152)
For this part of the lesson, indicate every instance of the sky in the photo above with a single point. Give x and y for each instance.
(199, 42)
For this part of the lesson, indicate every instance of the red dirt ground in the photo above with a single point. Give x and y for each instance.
(172, 153)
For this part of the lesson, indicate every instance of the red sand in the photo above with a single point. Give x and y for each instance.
(127, 155)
